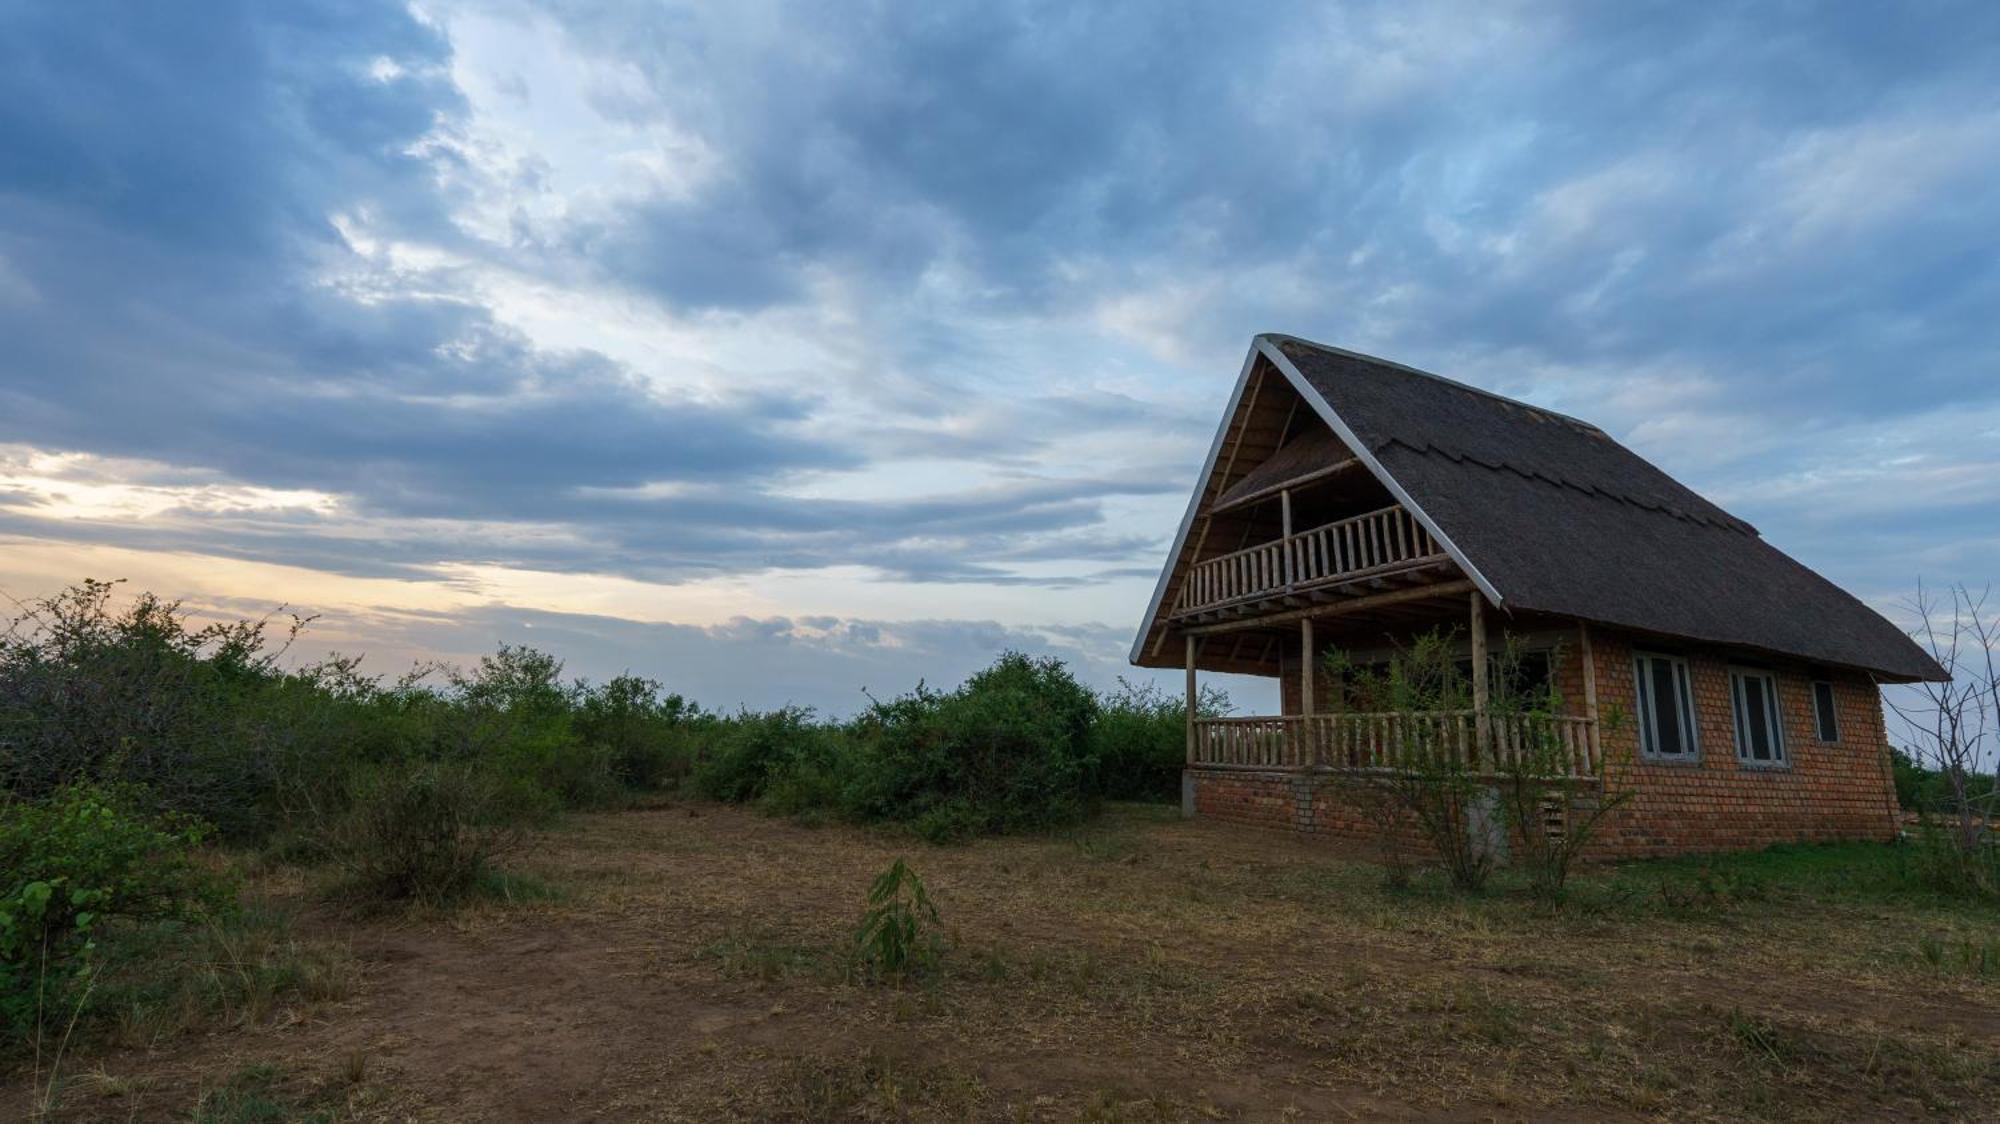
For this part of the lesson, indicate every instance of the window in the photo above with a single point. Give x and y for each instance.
(1666, 708)
(1754, 697)
(1826, 722)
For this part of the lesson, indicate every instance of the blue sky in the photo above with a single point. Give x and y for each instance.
(778, 351)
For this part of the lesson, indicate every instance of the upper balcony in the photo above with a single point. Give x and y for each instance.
(1375, 544)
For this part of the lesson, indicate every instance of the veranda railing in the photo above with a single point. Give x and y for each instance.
(1376, 542)
(1398, 741)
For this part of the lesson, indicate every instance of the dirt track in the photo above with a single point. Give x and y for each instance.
(695, 968)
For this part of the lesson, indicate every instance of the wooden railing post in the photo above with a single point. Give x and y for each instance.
(1285, 509)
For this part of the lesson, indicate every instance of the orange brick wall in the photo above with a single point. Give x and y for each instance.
(1827, 792)
(1831, 791)
(1280, 801)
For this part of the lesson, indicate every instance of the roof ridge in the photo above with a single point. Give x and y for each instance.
(1330, 349)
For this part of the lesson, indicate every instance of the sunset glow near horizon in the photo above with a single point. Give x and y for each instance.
(780, 353)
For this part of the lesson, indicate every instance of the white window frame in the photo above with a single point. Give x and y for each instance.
(1647, 706)
(1774, 720)
(1832, 711)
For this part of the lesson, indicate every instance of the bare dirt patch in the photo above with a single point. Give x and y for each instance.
(696, 967)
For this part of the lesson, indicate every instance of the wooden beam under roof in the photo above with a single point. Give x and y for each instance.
(1357, 605)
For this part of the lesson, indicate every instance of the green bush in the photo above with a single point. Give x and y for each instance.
(1936, 857)
(205, 721)
(1920, 788)
(810, 789)
(1008, 751)
(139, 694)
(647, 736)
(1139, 740)
(428, 832)
(748, 753)
(516, 716)
(77, 862)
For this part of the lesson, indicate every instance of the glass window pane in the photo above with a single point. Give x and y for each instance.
(1667, 709)
(1644, 698)
(1687, 709)
(1758, 718)
(1736, 715)
(1829, 729)
(1774, 719)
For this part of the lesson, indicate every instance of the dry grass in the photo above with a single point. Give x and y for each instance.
(695, 963)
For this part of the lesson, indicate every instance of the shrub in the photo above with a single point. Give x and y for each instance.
(1008, 751)
(79, 861)
(1937, 859)
(898, 931)
(811, 787)
(1139, 740)
(428, 832)
(140, 695)
(749, 752)
(1439, 793)
(1536, 780)
(515, 715)
(646, 735)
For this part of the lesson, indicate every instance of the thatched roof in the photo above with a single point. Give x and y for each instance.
(1549, 514)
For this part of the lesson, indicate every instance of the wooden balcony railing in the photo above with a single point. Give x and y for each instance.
(1406, 741)
(1378, 542)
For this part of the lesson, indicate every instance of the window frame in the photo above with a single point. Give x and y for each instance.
(1774, 718)
(1832, 712)
(1682, 675)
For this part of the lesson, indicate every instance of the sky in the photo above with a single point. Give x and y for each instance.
(787, 352)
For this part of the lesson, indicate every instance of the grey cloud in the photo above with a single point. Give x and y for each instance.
(1785, 207)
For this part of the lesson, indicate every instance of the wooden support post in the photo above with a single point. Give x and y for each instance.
(1480, 695)
(1307, 658)
(1589, 691)
(1285, 513)
(1191, 642)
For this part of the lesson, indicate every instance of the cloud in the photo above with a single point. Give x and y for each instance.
(940, 300)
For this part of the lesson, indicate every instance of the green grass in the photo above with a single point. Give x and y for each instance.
(157, 981)
(251, 1096)
(511, 887)
(1828, 873)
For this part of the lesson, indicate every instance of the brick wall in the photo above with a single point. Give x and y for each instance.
(1827, 791)
(1282, 801)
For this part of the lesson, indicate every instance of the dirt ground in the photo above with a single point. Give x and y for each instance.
(695, 964)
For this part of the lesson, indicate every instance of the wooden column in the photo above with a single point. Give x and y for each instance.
(1191, 642)
(1285, 513)
(1589, 689)
(1480, 694)
(1308, 656)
